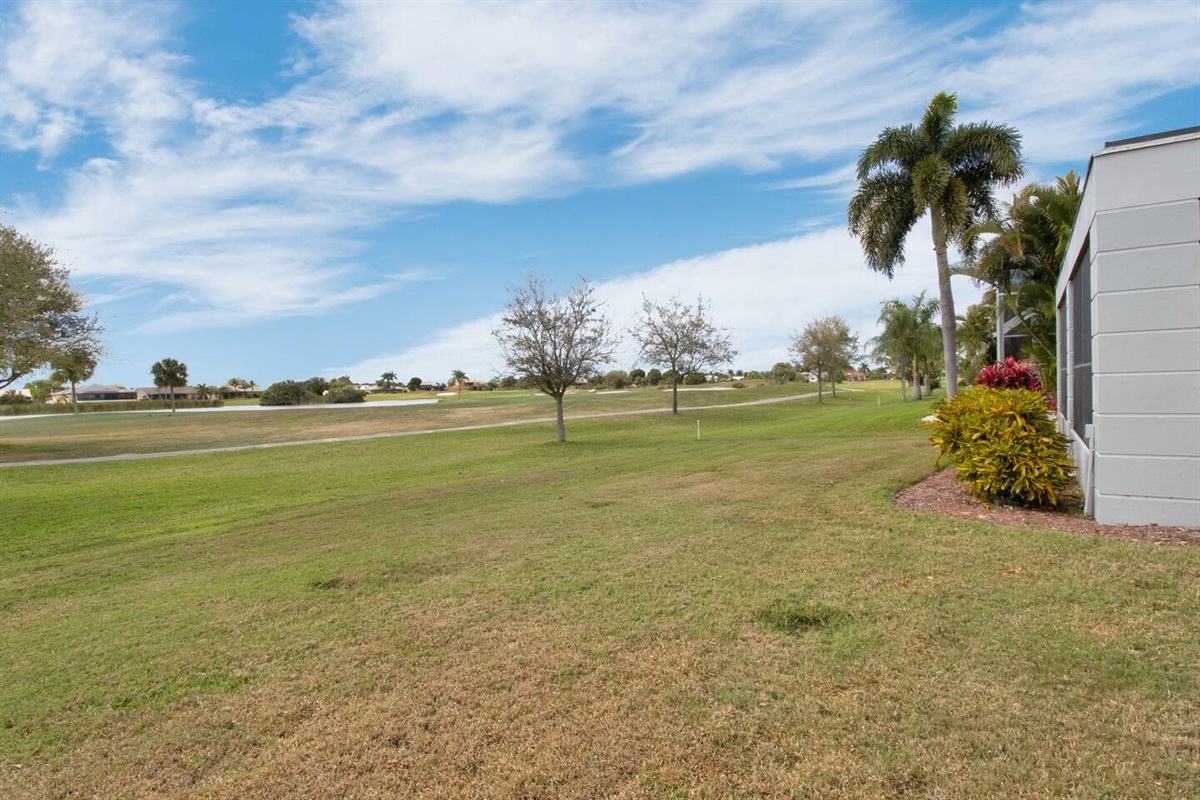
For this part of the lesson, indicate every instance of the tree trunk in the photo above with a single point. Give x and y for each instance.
(674, 392)
(820, 399)
(74, 399)
(946, 297)
(562, 429)
(833, 383)
(916, 380)
(903, 387)
(172, 390)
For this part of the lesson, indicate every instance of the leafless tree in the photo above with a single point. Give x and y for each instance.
(554, 341)
(681, 338)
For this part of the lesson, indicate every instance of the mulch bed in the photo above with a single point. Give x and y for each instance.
(941, 494)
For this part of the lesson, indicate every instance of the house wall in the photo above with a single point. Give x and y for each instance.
(1141, 223)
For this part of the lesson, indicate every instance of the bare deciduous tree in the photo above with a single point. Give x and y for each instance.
(681, 338)
(554, 341)
(825, 347)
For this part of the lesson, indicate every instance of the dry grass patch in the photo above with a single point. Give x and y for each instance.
(634, 614)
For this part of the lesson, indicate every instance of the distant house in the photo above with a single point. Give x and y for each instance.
(163, 393)
(1128, 301)
(92, 392)
(854, 375)
(232, 392)
(470, 384)
(100, 391)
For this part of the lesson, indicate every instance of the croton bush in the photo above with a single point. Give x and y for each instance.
(1010, 374)
(1004, 445)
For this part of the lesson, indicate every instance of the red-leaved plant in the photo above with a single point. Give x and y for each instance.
(1010, 374)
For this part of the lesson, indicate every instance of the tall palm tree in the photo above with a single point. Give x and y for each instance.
(909, 338)
(977, 334)
(458, 376)
(1022, 259)
(387, 381)
(894, 344)
(928, 343)
(170, 373)
(937, 167)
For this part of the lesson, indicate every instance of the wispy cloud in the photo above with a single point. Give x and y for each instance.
(248, 211)
(761, 293)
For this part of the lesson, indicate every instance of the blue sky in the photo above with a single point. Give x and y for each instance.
(278, 190)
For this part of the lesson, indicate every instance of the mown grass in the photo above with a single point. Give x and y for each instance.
(106, 434)
(632, 614)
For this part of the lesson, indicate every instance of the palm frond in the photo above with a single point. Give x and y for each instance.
(902, 147)
(938, 120)
(881, 214)
(982, 152)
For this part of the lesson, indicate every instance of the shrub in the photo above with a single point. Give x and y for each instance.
(616, 379)
(93, 406)
(694, 379)
(288, 393)
(345, 394)
(1010, 374)
(316, 386)
(738, 385)
(1004, 445)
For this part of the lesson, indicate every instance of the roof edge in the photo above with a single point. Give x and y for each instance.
(1153, 137)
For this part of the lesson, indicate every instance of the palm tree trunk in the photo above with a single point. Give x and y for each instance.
(903, 386)
(74, 399)
(916, 380)
(946, 297)
(562, 429)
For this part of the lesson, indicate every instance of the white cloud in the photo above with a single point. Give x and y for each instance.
(107, 62)
(762, 293)
(1067, 75)
(251, 210)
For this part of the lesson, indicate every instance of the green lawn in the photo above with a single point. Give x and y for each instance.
(105, 434)
(633, 613)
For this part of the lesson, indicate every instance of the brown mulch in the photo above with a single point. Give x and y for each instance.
(941, 494)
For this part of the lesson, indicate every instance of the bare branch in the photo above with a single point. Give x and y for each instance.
(553, 341)
(681, 338)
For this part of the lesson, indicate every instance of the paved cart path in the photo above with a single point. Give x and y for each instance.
(392, 435)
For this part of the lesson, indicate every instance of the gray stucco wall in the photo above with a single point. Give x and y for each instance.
(1142, 215)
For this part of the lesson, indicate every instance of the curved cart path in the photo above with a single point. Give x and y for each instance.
(366, 436)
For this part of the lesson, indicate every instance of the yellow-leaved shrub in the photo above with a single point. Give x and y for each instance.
(1004, 445)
